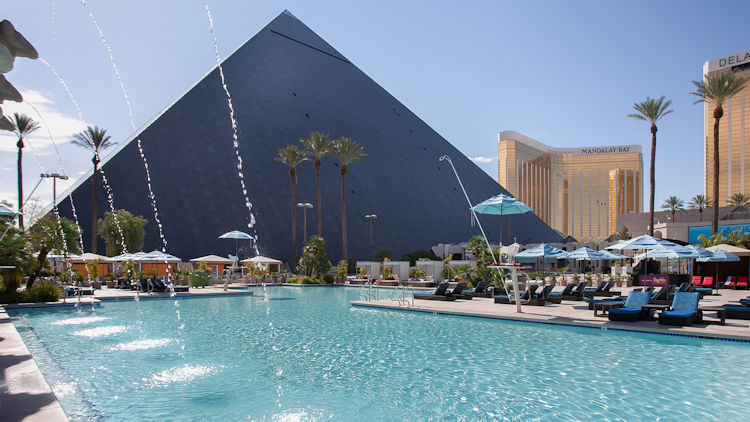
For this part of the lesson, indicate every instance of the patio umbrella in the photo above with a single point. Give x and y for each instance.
(585, 254)
(501, 205)
(542, 252)
(236, 234)
(641, 242)
(10, 213)
(718, 255)
(611, 255)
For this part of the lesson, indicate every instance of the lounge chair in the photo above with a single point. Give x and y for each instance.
(440, 293)
(482, 289)
(708, 281)
(684, 309)
(697, 280)
(575, 294)
(741, 282)
(525, 296)
(603, 289)
(593, 302)
(556, 297)
(740, 311)
(660, 296)
(632, 309)
(460, 291)
(589, 291)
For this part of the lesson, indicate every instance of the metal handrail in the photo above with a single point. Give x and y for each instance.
(365, 292)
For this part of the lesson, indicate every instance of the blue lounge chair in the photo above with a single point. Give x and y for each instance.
(460, 291)
(684, 309)
(592, 302)
(590, 291)
(632, 309)
(480, 290)
(526, 295)
(440, 293)
(659, 296)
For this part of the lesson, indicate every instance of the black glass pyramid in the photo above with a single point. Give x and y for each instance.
(285, 82)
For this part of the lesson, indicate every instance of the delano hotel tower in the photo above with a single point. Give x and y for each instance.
(734, 132)
(577, 191)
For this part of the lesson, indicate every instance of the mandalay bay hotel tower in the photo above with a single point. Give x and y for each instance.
(734, 132)
(577, 191)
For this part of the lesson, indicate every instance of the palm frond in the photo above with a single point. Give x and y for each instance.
(292, 156)
(93, 139)
(24, 125)
(718, 87)
(318, 144)
(347, 151)
(652, 110)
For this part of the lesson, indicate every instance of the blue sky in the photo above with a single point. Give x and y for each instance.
(564, 73)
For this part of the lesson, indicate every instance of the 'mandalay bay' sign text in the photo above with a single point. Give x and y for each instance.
(608, 149)
(729, 61)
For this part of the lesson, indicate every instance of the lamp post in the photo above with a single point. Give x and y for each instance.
(304, 206)
(371, 217)
(54, 177)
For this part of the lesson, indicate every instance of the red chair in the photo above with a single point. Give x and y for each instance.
(741, 282)
(697, 280)
(708, 281)
(724, 280)
(731, 282)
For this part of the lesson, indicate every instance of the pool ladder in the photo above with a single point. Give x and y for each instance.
(365, 292)
(399, 294)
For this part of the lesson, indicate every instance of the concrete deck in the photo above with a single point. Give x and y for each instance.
(577, 313)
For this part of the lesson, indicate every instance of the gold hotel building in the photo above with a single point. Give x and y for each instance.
(577, 191)
(734, 132)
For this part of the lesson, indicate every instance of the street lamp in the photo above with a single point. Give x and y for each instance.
(54, 177)
(305, 206)
(371, 217)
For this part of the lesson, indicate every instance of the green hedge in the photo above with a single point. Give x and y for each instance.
(39, 292)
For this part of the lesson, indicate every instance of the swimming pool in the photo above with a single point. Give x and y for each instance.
(305, 354)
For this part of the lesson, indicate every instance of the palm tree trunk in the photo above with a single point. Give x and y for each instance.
(94, 208)
(20, 182)
(653, 181)
(343, 213)
(294, 217)
(715, 211)
(320, 210)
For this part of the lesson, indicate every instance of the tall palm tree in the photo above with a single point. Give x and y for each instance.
(739, 199)
(95, 140)
(652, 110)
(292, 156)
(673, 204)
(716, 89)
(319, 146)
(700, 202)
(23, 125)
(347, 151)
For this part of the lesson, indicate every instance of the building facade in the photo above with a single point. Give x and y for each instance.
(734, 132)
(577, 191)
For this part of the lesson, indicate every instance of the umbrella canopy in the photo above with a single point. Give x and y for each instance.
(611, 255)
(641, 242)
(718, 255)
(159, 257)
(127, 257)
(87, 257)
(542, 251)
(670, 252)
(235, 234)
(7, 211)
(585, 254)
(699, 251)
(501, 205)
(732, 249)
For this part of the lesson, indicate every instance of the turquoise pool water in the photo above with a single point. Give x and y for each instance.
(305, 354)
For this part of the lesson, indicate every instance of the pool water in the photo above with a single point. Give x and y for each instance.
(305, 354)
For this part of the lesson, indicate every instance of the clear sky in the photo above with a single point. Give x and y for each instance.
(563, 72)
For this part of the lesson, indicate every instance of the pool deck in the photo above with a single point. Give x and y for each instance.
(25, 394)
(577, 313)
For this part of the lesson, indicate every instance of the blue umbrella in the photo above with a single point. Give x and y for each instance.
(670, 252)
(501, 205)
(236, 234)
(642, 242)
(543, 252)
(611, 255)
(586, 254)
(718, 255)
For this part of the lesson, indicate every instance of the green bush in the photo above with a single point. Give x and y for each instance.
(39, 292)
(199, 278)
(314, 261)
(328, 279)
(301, 279)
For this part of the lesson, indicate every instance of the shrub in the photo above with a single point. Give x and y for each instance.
(328, 279)
(341, 270)
(301, 279)
(199, 278)
(314, 261)
(39, 292)
(416, 273)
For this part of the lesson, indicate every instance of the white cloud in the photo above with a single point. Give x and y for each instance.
(482, 160)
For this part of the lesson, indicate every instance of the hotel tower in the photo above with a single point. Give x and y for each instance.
(734, 132)
(577, 191)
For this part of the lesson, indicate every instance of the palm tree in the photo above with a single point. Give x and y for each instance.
(347, 151)
(292, 156)
(739, 199)
(700, 202)
(95, 140)
(716, 89)
(673, 204)
(23, 125)
(319, 146)
(652, 110)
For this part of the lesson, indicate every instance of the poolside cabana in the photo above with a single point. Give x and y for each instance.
(269, 264)
(399, 269)
(214, 262)
(722, 270)
(79, 263)
(158, 263)
(433, 270)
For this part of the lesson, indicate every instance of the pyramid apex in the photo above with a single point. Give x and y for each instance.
(287, 12)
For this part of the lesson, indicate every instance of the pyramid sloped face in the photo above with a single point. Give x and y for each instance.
(285, 82)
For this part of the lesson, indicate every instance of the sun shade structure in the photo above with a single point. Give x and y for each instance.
(501, 205)
(285, 82)
(641, 242)
(669, 252)
(585, 254)
(7, 211)
(236, 235)
(718, 255)
(542, 251)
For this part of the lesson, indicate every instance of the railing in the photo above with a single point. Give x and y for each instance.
(365, 292)
(398, 294)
